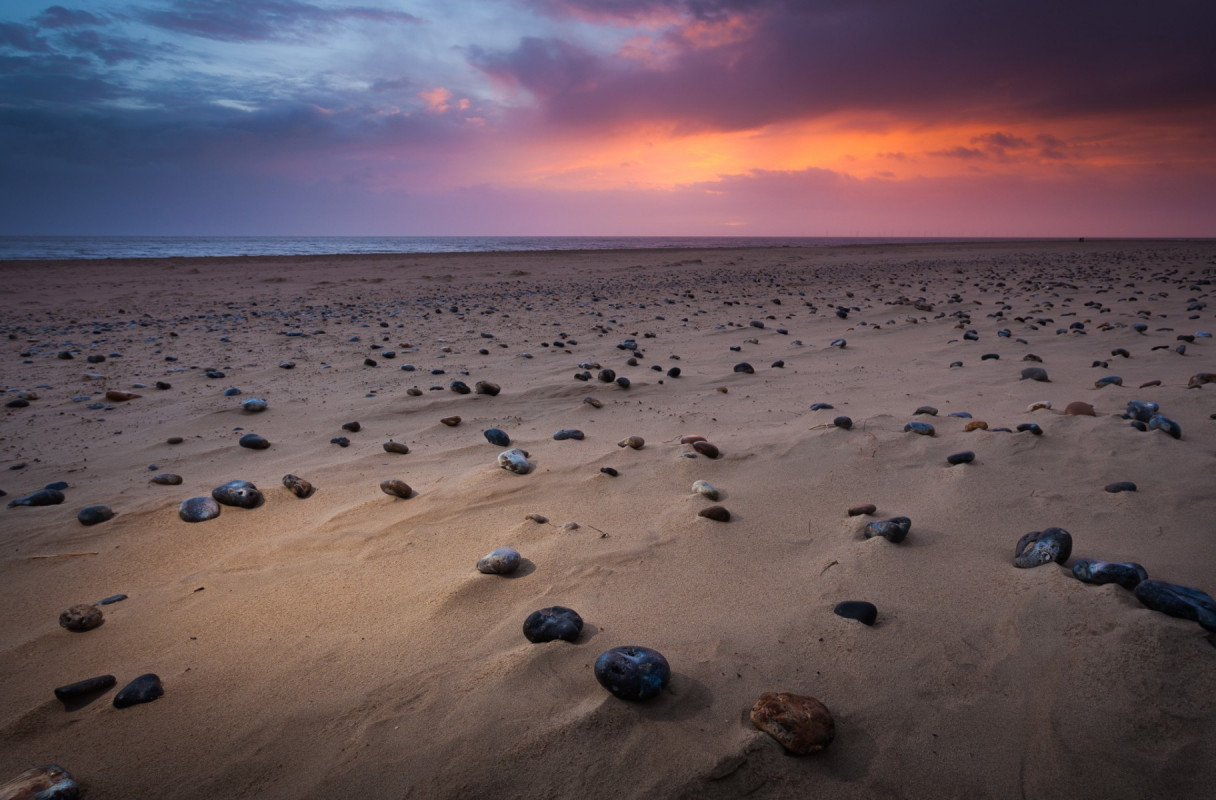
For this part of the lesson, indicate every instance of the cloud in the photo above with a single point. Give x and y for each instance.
(60, 17)
(260, 20)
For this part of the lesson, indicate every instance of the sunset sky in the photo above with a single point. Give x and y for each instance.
(608, 117)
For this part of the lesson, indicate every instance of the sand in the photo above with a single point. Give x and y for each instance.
(344, 645)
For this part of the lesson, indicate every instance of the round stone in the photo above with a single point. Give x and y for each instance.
(965, 457)
(396, 487)
(241, 494)
(81, 617)
(864, 612)
(716, 513)
(253, 442)
(555, 622)
(198, 509)
(502, 561)
(632, 672)
(497, 437)
(143, 689)
(800, 723)
(92, 515)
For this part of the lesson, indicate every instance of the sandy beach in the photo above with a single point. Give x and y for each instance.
(345, 645)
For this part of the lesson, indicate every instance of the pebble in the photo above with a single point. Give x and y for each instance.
(515, 460)
(706, 490)
(414, 391)
(114, 598)
(965, 457)
(241, 494)
(497, 437)
(119, 396)
(340, 441)
(862, 611)
(1125, 573)
(143, 689)
(396, 487)
(692, 438)
(841, 343)
(568, 433)
(1166, 425)
(253, 442)
(1030, 427)
(555, 622)
(976, 425)
(821, 406)
(923, 428)
(1035, 374)
(353, 427)
(866, 509)
(81, 617)
(502, 561)
(174, 440)
(395, 447)
(606, 376)
(166, 479)
(745, 367)
(1109, 380)
(451, 422)
(56, 486)
(593, 402)
(1200, 379)
(198, 509)
(843, 422)
(50, 782)
(42, 497)
(73, 692)
(716, 513)
(1184, 602)
(92, 515)
(990, 357)
(632, 672)
(1120, 486)
(1041, 547)
(298, 486)
(622, 382)
(1080, 409)
(1140, 411)
(459, 387)
(609, 471)
(706, 449)
(929, 410)
(254, 404)
(539, 519)
(894, 530)
(778, 364)
(487, 388)
(635, 442)
(801, 724)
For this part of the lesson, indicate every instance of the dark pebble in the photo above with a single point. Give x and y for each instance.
(370, 362)
(232, 392)
(396, 447)
(253, 442)
(778, 364)
(1041, 547)
(744, 367)
(198, 509)
(1030, 427)
(606, 376)
(568, 433)
(166, 479)
(241, 494)
(843, 422)
(174, 440)
(57, 486)
(865, 509)
(340, 441)
(965, 457)
(42, 497)
(1178, 601)
(143, 689)
(707, 449)
(674, 372)
(1109, 380)
(353, 427)
(1125, 573)
(487, 388)
(1120, 486)
(92, 515)
(114, 598)
(922, 428)
(864, 612)
(396, 487)
(459, 387)
(623, 382)
(990, 357)
(556, 622)
(1165, 425)
(821, 406)
(74, 692)
(298, 486)
(893, 530)
(609, 471)
(632, 673)
(497, 437)
(928, 410)
(716, 513)
(1035, 374)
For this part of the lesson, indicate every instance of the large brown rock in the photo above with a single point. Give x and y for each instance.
(801, 724)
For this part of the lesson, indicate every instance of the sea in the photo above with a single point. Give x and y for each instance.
(58, 248)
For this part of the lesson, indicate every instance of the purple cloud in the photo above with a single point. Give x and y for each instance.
(260, 20)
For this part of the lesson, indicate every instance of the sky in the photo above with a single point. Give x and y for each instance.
(608, 118)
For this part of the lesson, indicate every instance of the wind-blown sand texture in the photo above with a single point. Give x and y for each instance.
(345, 645)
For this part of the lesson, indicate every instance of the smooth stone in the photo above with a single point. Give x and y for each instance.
(1035, 374)
(198, 509)
(609, 471)
(976, 425)
(241, 494)
(451, 422)
(42, 497)
(622, 382)
(1120, 486)
(143, 689)
(1140, 411)
(502, 561)
(298, 486)
(1030, 427)
(865, 509)
(778, 364)
(395, 447)
(692, 438)
(253, 442)
(632, 672)
(57, 486)
(92, 515)
(923, 428)
(414, 391)
(961, 414)
(840, 343)
(568, 433)
(1165, 425)
(893, 530)
(353, 427)
(396, 487)
(716, 513)
(1038, 404)
(821, 406)
(254, 404)
(459, 387)
(965, 457)
(706, 490)
(487, 388)
(674, 372)
(843, 422)
(1178, 601)
(1041, 547)
(514, 460)
(745, 367)
(929, 410)
(954, 364)
(114, 598)
(635, 442)
(1109, 380)
(555, 622)
(707, 449)
(81, 617)
(1079, 409)
(606, 376)
(119, 396)
(174, 440)
(80, 690)
(862, 611)
(340, 441)
(497, 437)
(1125, 573)
(232, 392)
(50, 782)
(593, 402)
(539, 519)
(166, 479)
(801, 724)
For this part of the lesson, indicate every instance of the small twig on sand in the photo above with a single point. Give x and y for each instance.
(63, 555)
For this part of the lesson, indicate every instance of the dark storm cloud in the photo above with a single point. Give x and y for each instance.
(22, 38)
(922, 60)
(60, 17)
(259, 20)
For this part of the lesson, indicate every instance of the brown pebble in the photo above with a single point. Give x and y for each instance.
(692, 438)
(539, 519)
(716, 513)
(801, 724)
(868, 509)
(81, 617)
(451, 422)
(593, 402)
(174, 440)
(298, 486)
(395, 447)
(487, 388)
(636, 442)
(722, 389)
(706, 449)
(1150, 383)
(976, 425)
(396, 487)
(119, 396)
(1200, 378)
(51, 782)
(414, 391)
(1079, 409)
